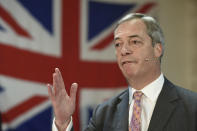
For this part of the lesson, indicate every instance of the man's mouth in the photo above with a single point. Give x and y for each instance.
(128, 62)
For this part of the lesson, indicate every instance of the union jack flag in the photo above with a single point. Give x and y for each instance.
(76, 36)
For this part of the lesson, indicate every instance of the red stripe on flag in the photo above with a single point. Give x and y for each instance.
(15, 26)
(16, 111)
(145, 8)
(104, 43)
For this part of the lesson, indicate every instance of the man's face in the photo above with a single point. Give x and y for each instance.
(133, 47)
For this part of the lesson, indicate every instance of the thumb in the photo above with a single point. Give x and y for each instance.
(73, 91)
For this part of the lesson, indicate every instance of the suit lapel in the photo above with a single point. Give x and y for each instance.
(164, 107)
(121, 114)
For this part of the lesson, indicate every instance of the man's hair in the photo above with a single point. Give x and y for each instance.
(153, 28)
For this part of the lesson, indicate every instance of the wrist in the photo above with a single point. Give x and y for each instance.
(61, 126)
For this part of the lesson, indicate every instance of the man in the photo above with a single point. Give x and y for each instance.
(151, 103)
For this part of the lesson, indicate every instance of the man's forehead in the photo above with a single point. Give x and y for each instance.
(127, 29)
(122, 33)
(134, 24)
(129, 37)
(130, 22)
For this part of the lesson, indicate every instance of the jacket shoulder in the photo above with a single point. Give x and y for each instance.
(183, 93)
(105, 111)
(187, 95)
(114, 100)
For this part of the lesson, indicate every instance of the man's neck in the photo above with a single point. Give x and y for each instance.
(140, 82)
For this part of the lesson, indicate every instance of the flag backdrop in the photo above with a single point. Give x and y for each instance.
(38, 35)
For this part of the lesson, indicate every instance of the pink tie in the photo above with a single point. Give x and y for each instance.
(135, 124)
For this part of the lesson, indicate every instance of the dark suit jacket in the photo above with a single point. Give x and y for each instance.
(175, 110)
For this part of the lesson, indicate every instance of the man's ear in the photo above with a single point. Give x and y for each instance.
(158, 50)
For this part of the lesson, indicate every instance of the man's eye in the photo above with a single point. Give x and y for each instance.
(136, 42)
(117, 44)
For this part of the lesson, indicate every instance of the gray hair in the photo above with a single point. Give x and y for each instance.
(153, 28)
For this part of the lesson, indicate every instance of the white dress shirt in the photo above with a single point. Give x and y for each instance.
(148, 101)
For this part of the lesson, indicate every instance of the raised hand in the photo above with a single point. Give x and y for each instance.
(63, 104)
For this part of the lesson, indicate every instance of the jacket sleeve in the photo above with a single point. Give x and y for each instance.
(92, 123)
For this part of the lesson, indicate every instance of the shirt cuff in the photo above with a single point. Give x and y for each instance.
(69, 127)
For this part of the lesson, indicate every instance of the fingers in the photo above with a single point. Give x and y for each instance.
(50, 91)
(57, 78)
(58, 86)
(73, 91)
(58, 82)
(55, 82)
(60, 79)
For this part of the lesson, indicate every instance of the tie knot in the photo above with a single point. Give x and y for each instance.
(137, 95)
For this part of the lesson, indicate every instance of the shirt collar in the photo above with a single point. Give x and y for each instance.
(151, 90)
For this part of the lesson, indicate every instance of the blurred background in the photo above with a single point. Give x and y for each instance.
(76, 36)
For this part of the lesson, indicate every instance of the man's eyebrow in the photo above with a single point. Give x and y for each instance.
(116, 38)
(131, 36)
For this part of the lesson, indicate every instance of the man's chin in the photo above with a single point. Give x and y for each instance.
(129, 74)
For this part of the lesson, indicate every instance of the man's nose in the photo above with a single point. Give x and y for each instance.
(126, 49)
